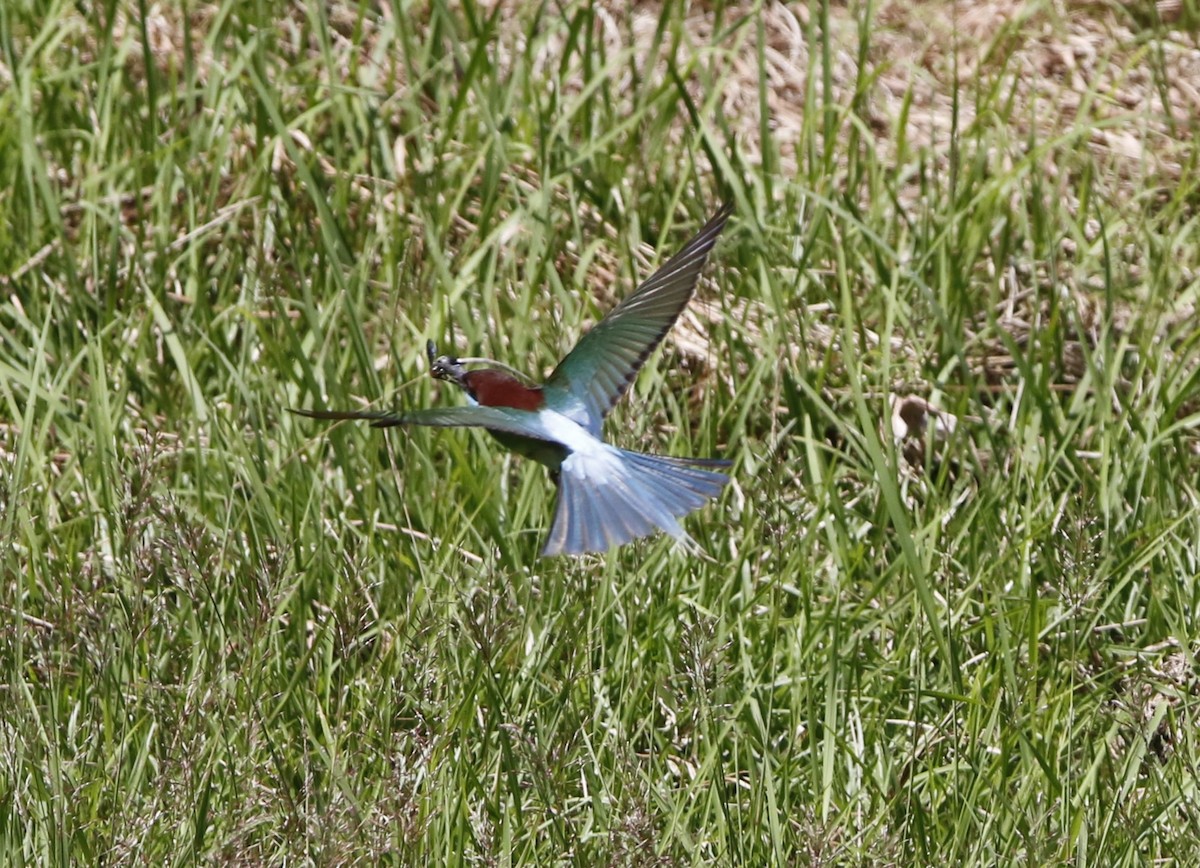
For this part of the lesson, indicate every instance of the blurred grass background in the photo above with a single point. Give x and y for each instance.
(949, 340)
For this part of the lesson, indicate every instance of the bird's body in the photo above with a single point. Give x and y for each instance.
(607, 496)
(491, 388)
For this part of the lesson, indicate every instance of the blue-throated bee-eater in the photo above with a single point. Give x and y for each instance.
(606, 496)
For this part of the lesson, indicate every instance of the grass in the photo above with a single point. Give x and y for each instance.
(231, 635)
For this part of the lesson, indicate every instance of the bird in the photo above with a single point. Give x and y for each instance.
(607, 496)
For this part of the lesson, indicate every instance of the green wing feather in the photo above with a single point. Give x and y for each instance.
(596, 373)
(525, 423)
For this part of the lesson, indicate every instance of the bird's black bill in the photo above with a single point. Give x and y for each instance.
(431, 351)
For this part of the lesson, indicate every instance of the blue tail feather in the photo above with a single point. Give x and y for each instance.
(609, 498)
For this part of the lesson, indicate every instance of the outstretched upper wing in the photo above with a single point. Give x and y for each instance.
(595, 374)
(523, 422)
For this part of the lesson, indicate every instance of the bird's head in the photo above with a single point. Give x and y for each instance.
(444, 367)
(454, 369)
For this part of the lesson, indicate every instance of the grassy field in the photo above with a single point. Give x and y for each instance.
(949, 339)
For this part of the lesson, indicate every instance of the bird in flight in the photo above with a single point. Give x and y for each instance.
(606, 496)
